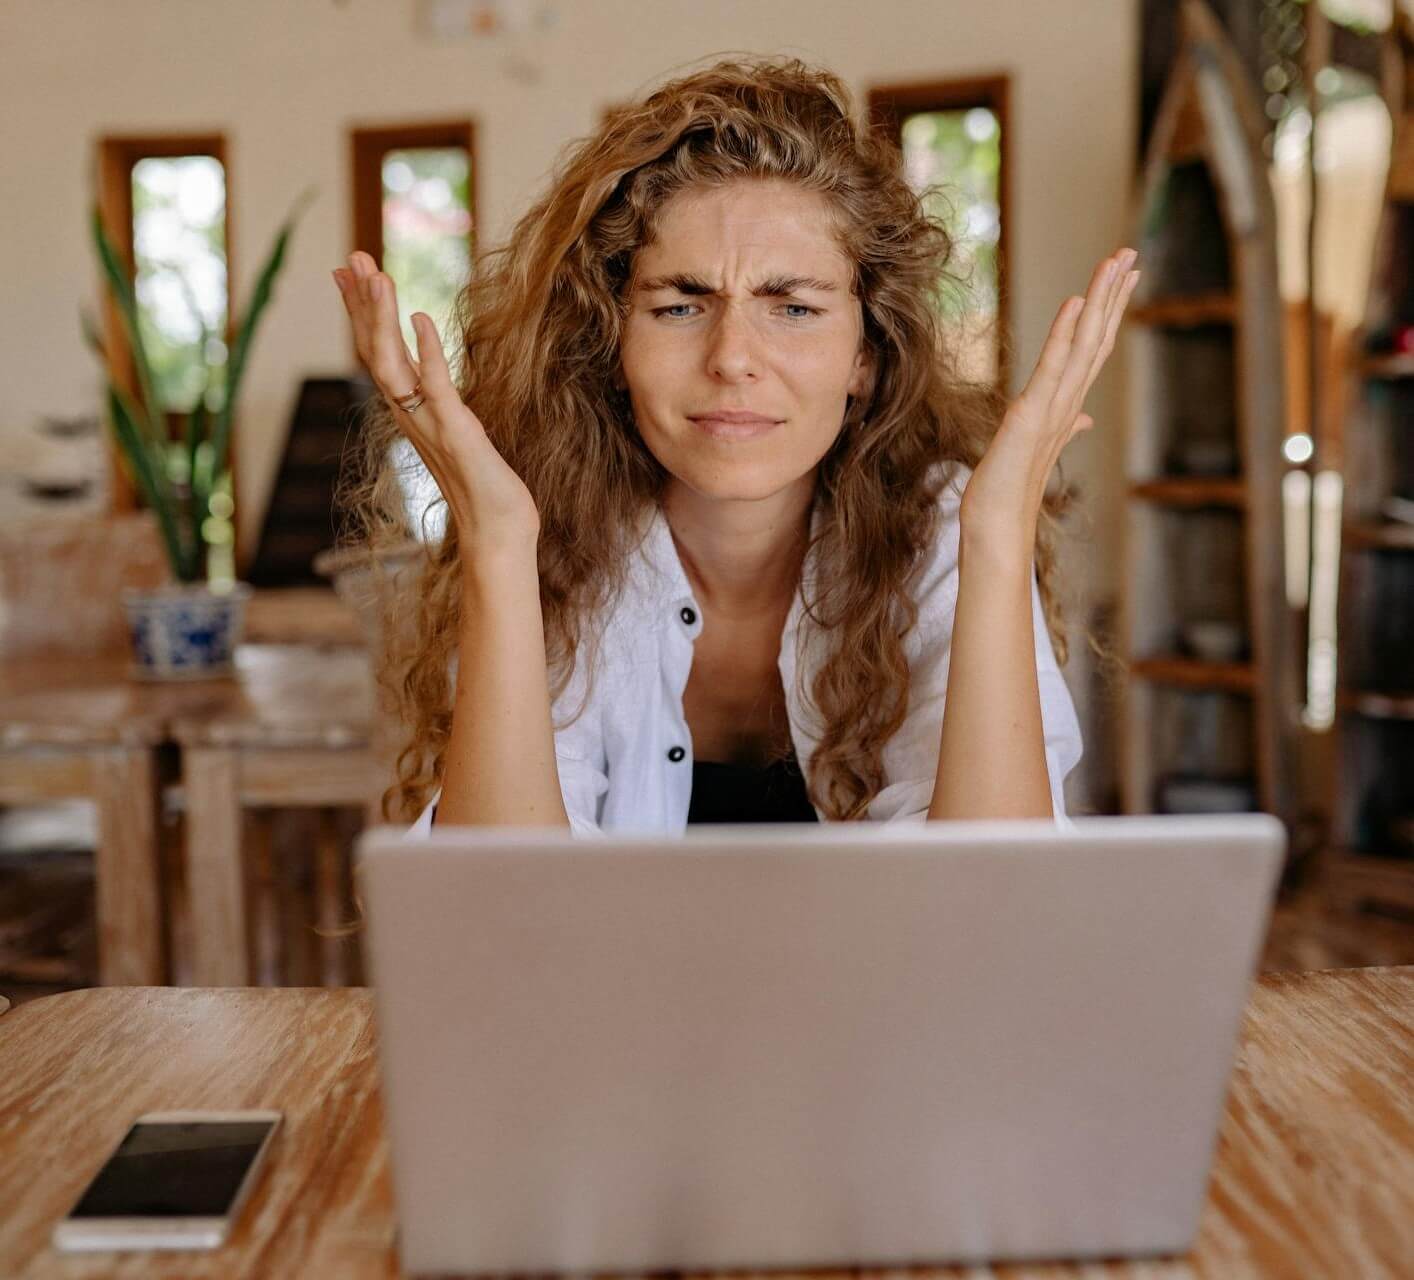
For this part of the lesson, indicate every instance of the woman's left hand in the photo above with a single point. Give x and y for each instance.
(1004, 494)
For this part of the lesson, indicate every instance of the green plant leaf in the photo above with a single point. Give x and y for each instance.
(240, 350)
(197, 418)
(199, 484)
(148, 473)
(149, 420)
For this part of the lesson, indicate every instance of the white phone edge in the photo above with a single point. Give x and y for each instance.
(84, 1235)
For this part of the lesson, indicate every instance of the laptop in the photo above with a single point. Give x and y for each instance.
(848, 1045)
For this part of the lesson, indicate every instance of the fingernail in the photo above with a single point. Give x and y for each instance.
(337, 280)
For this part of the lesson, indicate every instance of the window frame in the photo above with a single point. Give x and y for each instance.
(368, 144)
(117, 156)
(888, 106)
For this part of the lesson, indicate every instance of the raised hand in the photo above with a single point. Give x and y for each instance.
(1008, 485)
(493, 510)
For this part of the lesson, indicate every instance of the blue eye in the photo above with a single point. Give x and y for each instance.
(798, 307)
(677, 307)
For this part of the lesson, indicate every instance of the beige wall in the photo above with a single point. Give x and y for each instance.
(285, 79)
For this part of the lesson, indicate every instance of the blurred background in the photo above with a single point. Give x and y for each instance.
(190, 737)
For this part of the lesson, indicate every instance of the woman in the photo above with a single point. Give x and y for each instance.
(705, 452)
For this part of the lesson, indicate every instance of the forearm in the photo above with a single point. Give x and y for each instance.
(500, 761)
(992, 758)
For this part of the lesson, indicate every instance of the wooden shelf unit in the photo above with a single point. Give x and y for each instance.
(1192, 491)
(1387, 366)
(1205, 337)
(1371, 535)
(1185, 312)
(1196, 673)
(1371, 858)
(1375, 705)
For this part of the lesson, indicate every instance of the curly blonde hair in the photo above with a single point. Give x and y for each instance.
(539, 326)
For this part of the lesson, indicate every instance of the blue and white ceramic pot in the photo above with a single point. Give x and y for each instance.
(186, 631)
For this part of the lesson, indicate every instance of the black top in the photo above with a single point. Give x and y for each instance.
(747, 793)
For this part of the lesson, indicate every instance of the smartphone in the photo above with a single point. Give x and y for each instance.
(177, 1180)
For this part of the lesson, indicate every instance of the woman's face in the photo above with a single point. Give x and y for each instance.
(742, 340)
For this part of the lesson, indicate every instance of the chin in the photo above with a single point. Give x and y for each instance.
(729, 480)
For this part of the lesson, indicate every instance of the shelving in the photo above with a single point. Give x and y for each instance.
(1196, 673)
(1181, 312)
(1372, 858)
(1190, 380)
(1364, 535)
(1191, 491)
(1208, 709)
(1377, 706)
(1389, 365)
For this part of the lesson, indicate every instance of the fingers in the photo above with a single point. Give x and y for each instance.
(435, 374)
(1081, 338)
(436, 378)
(1041, 387)
(1107, 287)
(1116, 314)
(1123, 284)
(371, 301)
(1090, 331)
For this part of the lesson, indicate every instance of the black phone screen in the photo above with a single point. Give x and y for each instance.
(175, 1170)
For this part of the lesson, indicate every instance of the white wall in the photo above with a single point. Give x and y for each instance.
(286, 79)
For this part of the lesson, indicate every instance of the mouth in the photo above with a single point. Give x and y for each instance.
(733, 424)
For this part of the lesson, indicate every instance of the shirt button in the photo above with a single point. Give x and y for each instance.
(688, 615)
(675, 754)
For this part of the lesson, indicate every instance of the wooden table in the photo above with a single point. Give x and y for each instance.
(298, 729)
(1314, 1175)
(294, 727)
(300, 615)
(81, 728)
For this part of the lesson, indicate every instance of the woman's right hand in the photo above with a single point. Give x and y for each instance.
(493, 510)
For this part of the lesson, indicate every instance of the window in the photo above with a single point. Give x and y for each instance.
(953, 136)
(179, 249)
(164, 203)
(415, 213)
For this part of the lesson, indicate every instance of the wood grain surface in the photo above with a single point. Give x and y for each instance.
(300, 615)
(1314, 1173)
(289, 695)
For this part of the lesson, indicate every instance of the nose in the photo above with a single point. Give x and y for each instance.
(731, 348)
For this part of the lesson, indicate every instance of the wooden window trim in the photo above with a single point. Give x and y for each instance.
(117, 154)
(367, 147)
(889, 104)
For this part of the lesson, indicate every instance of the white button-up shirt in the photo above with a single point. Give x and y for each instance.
(625, 765)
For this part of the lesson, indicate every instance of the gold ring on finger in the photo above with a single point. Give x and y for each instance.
(412, 400)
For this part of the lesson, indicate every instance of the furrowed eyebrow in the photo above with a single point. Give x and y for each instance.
(678, 282)
(695, 286)
(782, 286)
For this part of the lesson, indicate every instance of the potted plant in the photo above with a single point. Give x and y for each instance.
(189, 628)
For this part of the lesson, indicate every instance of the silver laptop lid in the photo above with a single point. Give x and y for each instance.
(761, 1046)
